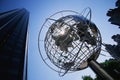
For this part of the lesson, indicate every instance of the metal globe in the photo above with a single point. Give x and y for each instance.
(70, 41)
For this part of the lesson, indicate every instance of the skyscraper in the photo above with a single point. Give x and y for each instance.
(13, 44)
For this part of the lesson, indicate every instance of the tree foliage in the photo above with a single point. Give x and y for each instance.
(87, 78)
(111, 66)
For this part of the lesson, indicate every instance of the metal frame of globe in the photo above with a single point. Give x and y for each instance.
(44, 29)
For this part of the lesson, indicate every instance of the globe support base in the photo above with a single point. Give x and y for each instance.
(99, 71)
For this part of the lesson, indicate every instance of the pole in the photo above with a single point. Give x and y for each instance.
(98, 70)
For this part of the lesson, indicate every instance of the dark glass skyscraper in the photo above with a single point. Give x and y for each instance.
(13, 44)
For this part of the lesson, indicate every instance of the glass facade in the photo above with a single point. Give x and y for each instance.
(13, 44)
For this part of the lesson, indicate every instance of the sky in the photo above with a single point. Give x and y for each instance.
(42, 9)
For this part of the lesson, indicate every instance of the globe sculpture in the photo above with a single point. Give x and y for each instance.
(68, 40)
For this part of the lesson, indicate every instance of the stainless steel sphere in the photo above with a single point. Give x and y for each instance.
(70, 41)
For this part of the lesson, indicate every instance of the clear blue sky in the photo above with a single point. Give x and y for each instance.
(42, 9)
